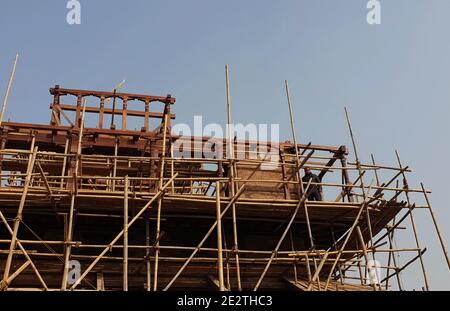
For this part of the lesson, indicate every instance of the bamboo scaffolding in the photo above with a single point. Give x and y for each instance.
(131, 176)
(413, 224)
(97, 259)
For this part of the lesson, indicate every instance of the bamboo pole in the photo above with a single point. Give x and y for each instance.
(158, 221)
(68, 246)
(19, 216)
(147, 255)
(394, 260)
(366, 255)
(344, 244)
(19, 244)
(68, 238)
(294, 137)
(8, 89)
(125, 234)
(219, 240)
(280, 241)
(114, 241)
(413, 223)
(236, 196)
(436, 226)
(13, 276)
(233, 171)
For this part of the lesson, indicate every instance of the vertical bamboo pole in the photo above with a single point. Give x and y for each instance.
(68, 246)
(63, 170)
(366, 255)
(219, 240)
(8, 89)
(68, 238)
(280, 241)
(114, 173)
(172, 169)
(125, 234)
(394, 260)
(293, 250)
(19, 216)
(158, 220)
(413, 223)
(147, 254)
(436, 226)
(232, 173)
(358, 165)
(294, 137)
(344, 244)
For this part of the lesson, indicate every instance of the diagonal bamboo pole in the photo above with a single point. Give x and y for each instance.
(18, 218)
(19, 244)
(413, 223)
(366, 255)
(294, 137)
(114, 241)
(197, 249)
(436, 226)
(344, 244)
(8, 89)
(280, 241)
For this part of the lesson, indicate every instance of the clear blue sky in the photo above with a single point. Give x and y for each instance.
(394, 78)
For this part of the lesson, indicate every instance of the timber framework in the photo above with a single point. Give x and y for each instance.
(116, 206)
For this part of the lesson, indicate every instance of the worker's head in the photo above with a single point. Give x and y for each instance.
(307, 170)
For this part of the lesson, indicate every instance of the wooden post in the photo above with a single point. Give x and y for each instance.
(124, 114)
(146, 116)
(101, 113)
(8, 89)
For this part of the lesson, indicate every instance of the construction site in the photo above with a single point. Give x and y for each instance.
(86, 193)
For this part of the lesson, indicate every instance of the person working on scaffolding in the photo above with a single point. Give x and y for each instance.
(315, 191)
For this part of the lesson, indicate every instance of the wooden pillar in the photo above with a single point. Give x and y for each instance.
(124, 113)
(147, 115)
(102, 112)
(78, 111)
